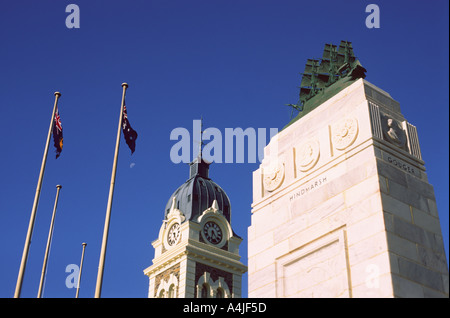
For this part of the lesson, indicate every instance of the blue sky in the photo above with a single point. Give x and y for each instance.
(235, 63)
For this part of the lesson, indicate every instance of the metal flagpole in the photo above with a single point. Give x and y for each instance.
(49, 242)
(81, 267)
(35, 204)
(101, 265)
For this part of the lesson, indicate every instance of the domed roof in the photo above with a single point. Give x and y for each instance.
(198, 193)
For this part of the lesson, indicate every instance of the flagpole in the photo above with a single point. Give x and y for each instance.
(26, 248)
(101, 265)
(81, 267)
(49, 241)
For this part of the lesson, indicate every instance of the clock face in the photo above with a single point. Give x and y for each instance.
(174, 234)
(212, 232)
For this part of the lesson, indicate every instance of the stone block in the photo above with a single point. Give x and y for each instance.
(405, 288)
(376, 287)
(434, 241)
(417, 185)
(426, 221)
(266, 258)
(396, 207)
(300, 221)
(267, 219)
(446, 283)
(383, 184)
(362, 190)
(417, 234)
(350, 177)
(368, 251)
(432, 259)
(430, 293)
(362, 209)
(264, 280)
(409, 231)
(392, 173)
(265, 241)
(432, 207)
(382, 98)
(408, 196)
(315, 197)
(420, 274)
(388, 221)
(402, 247)
(365, 228)
(251, 234)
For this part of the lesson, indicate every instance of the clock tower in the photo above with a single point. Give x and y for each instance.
(197, 251)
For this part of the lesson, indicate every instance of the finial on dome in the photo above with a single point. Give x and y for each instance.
(215, 205)
(175, 212)
(172, 207)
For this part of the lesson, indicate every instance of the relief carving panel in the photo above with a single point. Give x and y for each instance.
(307, 155)
(273, 175)
(344, 133)
(318, 269)
(393, 132)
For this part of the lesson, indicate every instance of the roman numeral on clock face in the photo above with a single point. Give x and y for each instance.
(212, 232)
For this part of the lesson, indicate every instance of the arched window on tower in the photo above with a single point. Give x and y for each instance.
(206, 287)
(205, 290)
(168, 287)
(172, 291)
(220, 293)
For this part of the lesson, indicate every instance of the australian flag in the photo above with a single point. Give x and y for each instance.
(129, 133)
(57, 134)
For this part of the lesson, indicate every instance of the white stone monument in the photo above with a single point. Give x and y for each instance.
(342, 206)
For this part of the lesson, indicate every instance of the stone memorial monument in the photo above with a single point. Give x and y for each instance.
(341, 202)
